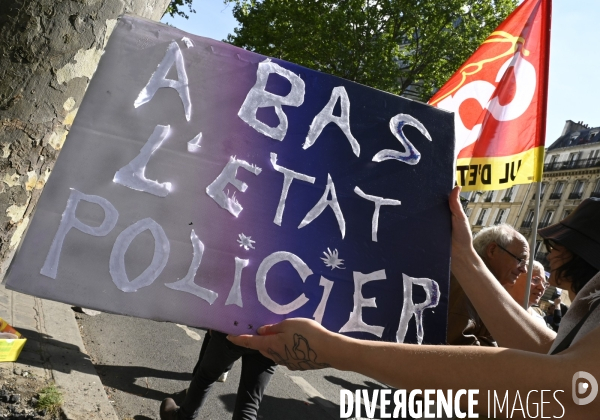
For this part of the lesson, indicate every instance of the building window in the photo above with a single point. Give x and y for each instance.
(539, 253)
(508, 194)
(557, 193)
(573, 159)
(543, 190)
(566, 213)
(489, 197)
(547, 219)
(596, 192)
(577, 190)
(499, 216)
(574, 137)
(594, 157)
(553, 161)
(469, 211)
(528, 220)
(481, 219)
(538, 246)
(544, 185)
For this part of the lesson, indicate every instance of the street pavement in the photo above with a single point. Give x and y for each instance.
(128, 365)
(55, 351)
(141, 362)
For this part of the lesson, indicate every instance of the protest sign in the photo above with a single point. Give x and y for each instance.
(214, 187)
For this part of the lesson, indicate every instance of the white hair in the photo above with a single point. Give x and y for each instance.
(538, 266)
(502, 234)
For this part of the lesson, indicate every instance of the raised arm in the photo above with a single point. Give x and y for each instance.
(303, 344)
(506, 320)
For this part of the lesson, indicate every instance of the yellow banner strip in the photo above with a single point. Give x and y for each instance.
(497, 173)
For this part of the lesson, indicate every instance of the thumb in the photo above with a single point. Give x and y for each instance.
(270, 329)
(248, 341)
(454, 199)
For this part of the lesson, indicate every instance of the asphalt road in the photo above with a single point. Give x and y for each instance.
(141, 362)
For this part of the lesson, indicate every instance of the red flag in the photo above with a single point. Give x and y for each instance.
(499, 97)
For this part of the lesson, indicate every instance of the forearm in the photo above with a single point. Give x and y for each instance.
(504, 371)
(507, 321)
(448, 367)
(557, 316)
(304, 344)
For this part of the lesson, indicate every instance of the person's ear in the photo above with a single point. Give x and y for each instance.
(490, 249)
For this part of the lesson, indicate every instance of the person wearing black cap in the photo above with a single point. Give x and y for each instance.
(533, 358)
(574, 256)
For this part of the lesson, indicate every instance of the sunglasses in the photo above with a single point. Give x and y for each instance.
(522, 262)
(550, 245)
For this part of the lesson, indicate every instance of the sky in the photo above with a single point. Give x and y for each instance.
(574, 85)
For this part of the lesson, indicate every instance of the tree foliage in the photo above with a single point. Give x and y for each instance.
(400, 46)
(176, 7)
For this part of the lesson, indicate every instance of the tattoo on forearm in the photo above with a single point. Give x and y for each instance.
(301, 357)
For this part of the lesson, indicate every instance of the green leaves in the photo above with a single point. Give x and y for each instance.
(175, 5)
(405, 47)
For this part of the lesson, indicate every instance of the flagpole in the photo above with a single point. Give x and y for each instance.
(542, 133)
(538, 192)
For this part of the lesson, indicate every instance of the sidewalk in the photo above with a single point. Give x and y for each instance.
(55, 351)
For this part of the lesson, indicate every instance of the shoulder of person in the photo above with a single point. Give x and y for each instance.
(537, 310)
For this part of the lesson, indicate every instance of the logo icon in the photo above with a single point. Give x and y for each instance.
(584, 383)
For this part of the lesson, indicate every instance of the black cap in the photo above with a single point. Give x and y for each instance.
(579, 232)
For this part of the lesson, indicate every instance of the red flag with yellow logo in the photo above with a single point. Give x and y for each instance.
(499, 99)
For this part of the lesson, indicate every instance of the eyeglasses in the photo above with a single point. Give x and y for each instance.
(537, 280)
(522, 261)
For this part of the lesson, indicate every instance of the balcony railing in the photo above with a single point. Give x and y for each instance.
(541, 196)
(479, 222)
(488, 199)
(542, 225)
(575, 195)
(555, 196)
(573, 164)
(527, 224)
(595, 194)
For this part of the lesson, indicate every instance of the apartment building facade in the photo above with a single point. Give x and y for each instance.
(571, 174)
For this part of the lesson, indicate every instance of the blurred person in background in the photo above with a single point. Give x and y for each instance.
(556, 311)
(538, 286)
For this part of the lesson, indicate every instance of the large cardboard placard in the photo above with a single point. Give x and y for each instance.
(210, 186)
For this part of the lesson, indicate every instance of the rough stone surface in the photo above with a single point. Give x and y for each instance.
(19, 394)
(49, 50)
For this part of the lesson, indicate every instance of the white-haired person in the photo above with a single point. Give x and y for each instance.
(505, 252)
(537, 288)
(532, 357)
